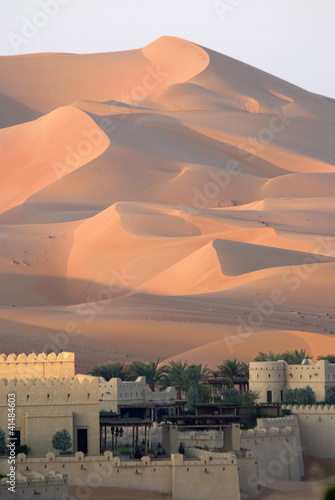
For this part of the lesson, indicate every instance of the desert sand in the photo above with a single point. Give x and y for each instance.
(169, 202)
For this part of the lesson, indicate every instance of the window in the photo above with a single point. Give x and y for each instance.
(269, 396)
(281, 396)
(17, 438)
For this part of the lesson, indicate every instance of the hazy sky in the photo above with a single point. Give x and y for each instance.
(293, 39)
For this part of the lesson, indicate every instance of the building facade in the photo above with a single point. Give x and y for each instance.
(46, 404)
(272, 378)
(135, 398)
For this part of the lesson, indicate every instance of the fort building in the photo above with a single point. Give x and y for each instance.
(44, 406)
(272, 378)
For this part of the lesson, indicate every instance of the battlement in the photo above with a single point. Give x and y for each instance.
(311, 409)
(32, 357)
(37, 365)
(49, 381)
(29, 393)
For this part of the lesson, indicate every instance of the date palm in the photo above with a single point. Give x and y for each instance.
(150, 371)
(175, 374)
(268, 356)
(231, 369)
(295, 357)
(111, 370)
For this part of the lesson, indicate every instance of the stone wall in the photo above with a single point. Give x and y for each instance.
(37, 365)
(276, 445)
(52, 486)
(199, 478)
(317, 429)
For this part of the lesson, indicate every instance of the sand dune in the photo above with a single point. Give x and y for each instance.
(156, 198)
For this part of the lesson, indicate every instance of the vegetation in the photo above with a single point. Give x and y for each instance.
(151, 371)
(3, 446)
(175, 374)
(330, 494)
(305, 396)
(247, 398)
(291, 357)
(197, 394)
(23, 448)
(330, 396)
(330, 358)
(111, 370)
(268, 356)
(231, 369)
(62, 440)
(295, 357)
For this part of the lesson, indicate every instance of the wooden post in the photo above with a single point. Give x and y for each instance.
(149, 438)
(105, 438)
(145, 440)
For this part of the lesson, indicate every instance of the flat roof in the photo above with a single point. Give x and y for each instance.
(124, 422)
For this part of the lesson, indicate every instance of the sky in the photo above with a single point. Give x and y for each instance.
(292, 39)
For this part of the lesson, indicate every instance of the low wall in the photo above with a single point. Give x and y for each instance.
(247, 472)
(186, 479)
(277, 448)
(213, 440)
(317, 429)
(28, 486)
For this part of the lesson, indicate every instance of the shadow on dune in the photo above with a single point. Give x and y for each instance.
(14, 113)
(23, 290)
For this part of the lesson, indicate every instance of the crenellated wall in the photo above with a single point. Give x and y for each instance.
(317, 429)
(46, 405)
(186, 479)
(52, 486)
(37, 365)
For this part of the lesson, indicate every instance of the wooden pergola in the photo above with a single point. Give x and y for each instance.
(203, 422)
(117, 425)
(215, 382)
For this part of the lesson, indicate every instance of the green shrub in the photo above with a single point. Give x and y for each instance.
(62, 440)
(304, 396)
(23, 448)
(330, 396)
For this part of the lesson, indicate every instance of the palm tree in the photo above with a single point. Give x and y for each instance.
(295, 357)
(232, 369)
(330, 358)
(175, 374)
(150, 371)
(244, 370)
(110, 370)
(268, 356)
(195, 373)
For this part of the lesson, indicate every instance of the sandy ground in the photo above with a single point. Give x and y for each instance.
(168, 202)
(104, 493)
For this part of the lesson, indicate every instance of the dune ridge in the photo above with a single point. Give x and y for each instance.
(154, 199)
